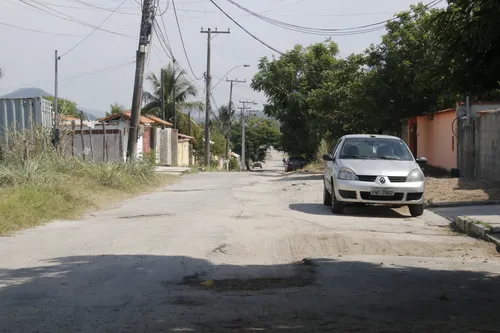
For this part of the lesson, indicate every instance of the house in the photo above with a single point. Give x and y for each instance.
(185, 150)
(434, 136)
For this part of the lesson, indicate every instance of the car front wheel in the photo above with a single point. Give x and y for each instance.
(416, 210)
(336, 206)
(327, 198)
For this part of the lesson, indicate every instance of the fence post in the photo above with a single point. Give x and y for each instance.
(104, 143)
(72, 138)
(81, 135)
(91, 145)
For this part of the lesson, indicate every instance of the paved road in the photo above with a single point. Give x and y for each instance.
(223, 252)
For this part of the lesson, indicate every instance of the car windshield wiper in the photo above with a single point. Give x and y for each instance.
(390, 158)
(361, 157)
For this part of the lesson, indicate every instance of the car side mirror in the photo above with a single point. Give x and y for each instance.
(421, 161)
(328, 157)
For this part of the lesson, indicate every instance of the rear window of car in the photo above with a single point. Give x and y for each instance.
(296, 159)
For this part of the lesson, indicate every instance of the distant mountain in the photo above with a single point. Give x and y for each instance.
(27, 93)
(37, 92)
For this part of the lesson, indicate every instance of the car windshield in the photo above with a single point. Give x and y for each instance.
(375, 148)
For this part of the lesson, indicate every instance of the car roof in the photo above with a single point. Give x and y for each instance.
(375, 136)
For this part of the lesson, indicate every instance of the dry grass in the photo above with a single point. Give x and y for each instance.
(38, 185)
(458, 190)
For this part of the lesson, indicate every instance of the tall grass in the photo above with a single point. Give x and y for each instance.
(38, 184)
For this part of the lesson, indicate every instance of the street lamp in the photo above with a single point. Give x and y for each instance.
(232, 69)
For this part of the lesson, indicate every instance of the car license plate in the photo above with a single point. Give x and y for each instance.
(382, 192)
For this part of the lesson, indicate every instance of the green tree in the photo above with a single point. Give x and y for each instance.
(288, 83)
(469, 31)
(115, 108)
(65, 106)
(407, 76)
(260, 135)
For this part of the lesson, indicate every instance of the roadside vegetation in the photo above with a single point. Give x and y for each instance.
(428, 59)
(38, 184)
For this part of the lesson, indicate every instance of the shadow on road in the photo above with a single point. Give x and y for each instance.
(301, 177)
(361, 211)
(147, 293)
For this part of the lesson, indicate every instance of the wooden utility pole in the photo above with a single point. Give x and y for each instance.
(230, 107)
(208, 81)
(144, 39)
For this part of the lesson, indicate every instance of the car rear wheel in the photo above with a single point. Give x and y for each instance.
(336, 206)
(327, 198)
(416, 210)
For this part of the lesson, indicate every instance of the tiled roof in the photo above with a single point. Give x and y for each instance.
(159, 120)
(126, 114)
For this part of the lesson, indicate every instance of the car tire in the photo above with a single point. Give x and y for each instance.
(327, 197)
(416, 210)
(336, 206)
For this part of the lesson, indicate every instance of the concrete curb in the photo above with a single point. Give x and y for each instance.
(461, 204)
(470, 227)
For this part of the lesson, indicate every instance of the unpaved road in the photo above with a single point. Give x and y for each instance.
(223, 252)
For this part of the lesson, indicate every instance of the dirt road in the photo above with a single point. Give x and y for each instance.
(224, 252)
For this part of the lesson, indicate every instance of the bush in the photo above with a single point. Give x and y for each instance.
(233, 164)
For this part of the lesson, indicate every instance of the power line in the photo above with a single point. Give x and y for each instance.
(242, 28)
(182, 41)
(76, 76)
(104, 21)
(324, 31)
(66, 17)
(39, 31)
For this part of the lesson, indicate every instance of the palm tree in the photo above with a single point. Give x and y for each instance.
(175, 81)
(115, 108)
(226, 116)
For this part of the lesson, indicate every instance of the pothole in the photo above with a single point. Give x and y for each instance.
(303, 275)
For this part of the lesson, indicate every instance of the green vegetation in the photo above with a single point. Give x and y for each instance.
(65, 106)
(428, 60)
(261, 134)
(38, 185)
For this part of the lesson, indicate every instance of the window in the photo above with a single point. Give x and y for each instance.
(375, 148)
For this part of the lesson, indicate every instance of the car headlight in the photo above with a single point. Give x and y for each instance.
(347, 174)
(415, 176)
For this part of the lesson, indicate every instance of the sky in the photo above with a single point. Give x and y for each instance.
(97, 70)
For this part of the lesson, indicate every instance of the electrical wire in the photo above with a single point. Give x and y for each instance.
(182, 41)
(242, 28)
(324, 31)
(75, 76)
(39, 31)
(90, 34)
(66, 17)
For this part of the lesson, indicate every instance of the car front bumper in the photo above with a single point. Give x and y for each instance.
(405, 193)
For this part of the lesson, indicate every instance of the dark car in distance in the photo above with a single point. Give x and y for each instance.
(295, 163)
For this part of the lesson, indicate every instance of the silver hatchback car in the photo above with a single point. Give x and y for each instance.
(374, 170)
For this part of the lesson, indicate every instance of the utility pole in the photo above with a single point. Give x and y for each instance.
(56, 84)
(243, 130)
(162, 85)
(144, 39)
(174, 111)
(208, 81)
(230, 106)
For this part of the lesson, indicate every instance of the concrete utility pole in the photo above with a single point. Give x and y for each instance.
(243, 130)
(174, 110)
(208, 106)
(56, 85)
(230, 106)
(144, 39)
(162, 85)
